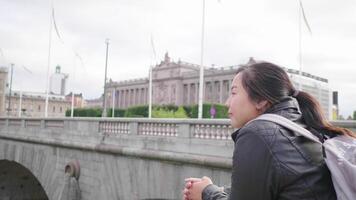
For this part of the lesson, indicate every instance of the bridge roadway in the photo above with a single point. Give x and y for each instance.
(64, 158)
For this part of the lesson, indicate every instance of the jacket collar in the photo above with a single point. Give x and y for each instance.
(288, 107)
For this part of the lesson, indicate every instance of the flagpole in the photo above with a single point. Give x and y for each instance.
(49, 59)
(201, 74)
(106, 69)
(150, 94)
(72, 106)
(113, 103)
(20, 103)
(300, 47)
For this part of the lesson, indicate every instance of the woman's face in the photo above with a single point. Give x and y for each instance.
(241, 108)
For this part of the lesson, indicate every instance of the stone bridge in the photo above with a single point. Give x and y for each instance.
(82, 158)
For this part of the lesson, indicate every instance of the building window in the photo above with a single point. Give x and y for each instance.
(54, 109)
(39, 108)
(60, 109)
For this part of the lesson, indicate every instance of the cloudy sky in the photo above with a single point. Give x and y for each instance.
(235, 31)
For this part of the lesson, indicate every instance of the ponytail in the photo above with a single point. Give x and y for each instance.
(313, 115)
(267, 81)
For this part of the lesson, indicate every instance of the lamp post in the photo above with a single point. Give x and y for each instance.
(106, 68)
(201, 72)
(9, 105)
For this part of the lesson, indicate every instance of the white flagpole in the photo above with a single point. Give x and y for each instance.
(150, 94)
(20, 106)
(300, 48)
(72, 106)
(201, 75)
(113, 103)
(49, 59)
(73, 89)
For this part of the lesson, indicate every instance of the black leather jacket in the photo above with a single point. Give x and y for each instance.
(271, 162)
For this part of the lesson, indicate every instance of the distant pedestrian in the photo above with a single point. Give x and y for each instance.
(212, 111)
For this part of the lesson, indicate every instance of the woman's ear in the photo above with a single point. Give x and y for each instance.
(262, 105)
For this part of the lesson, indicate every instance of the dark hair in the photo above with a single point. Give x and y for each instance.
(267, 81)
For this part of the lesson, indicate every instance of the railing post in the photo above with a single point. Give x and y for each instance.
(133, 127)
(43, 124)
(23, 123)
(184, 130)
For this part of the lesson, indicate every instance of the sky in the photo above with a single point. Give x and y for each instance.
(234, 31)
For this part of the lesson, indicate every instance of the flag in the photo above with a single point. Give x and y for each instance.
(60, 38)
(304, 16)
(55, 26)
(25, 68)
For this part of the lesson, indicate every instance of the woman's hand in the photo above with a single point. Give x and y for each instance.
(194, 188)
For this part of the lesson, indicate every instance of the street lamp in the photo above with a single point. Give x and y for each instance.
(106, 69)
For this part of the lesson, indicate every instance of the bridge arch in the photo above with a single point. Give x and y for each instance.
(18, 182)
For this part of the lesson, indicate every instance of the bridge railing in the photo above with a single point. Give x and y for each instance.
(187, 136)
(191, 128)
(217, 129)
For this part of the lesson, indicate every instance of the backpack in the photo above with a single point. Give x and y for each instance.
(340, 156)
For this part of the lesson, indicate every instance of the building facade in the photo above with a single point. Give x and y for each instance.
(30, 104)
(78, 101)
(93, 103)
(178, 83)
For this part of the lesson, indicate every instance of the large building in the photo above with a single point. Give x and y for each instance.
(178, 83)
(31, 104)
(58, 82)
(28, 104)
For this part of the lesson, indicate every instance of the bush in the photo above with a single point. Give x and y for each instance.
(163, 112)
(85, 112)
(158, 111)
(180, 113)
(118, 112)
(221, 111)
(137, 111)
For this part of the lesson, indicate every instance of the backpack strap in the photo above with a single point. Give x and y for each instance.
(287, 124)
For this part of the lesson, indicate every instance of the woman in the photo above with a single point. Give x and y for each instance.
(270, 161)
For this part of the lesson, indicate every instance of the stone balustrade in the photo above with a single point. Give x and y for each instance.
(185, 138)
(218, 129)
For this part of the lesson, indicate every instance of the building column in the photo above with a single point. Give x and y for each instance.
(188, 95)
(215, 92)
(146, 96)
(206, 91)
(230, 81)
(127, 103)
(117, 98)
(122, 101)
(196, 93)
(141, 96)
(221, 94)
